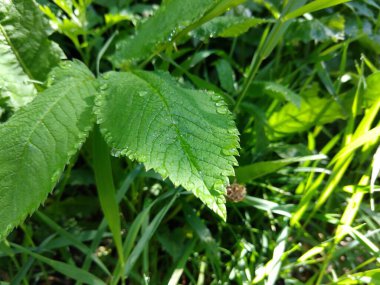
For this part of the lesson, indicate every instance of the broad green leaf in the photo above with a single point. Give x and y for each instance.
(172, 17)
(313, 111)
(26, 53)
(185, 134)
(15, 85)
(317, 30)
(40, 139)
(227, 27)
(26, 31)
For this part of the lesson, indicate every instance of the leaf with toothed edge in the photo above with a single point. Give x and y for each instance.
(186, 135)
(40, 139)
(173, 17)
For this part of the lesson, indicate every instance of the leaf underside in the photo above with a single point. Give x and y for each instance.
(185, 134)
(40, 139)
(172, 17)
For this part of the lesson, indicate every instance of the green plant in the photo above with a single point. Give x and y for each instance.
(140, 85)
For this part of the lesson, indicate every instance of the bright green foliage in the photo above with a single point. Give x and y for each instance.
(313, 111)
(26, 54)
(15, 85)
(41, 138)
(26, 32)
(172, 18)
(372, 94)
(185, 134)
(227, 26)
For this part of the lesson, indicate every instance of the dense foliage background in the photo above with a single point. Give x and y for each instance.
(305, 92)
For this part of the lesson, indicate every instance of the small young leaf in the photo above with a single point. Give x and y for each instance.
(185, 134)
(40, 139)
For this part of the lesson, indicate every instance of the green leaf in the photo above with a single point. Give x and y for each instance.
(185, 134)
(372, 92)
(15, 85)
(172, 18)
(225, 74)
(41, 138)
(317, 30)
(276, 91)
(25, 31)
(227, 27)
(313, 111)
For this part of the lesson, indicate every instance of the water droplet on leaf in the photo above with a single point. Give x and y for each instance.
(222, 110)
(142, 93)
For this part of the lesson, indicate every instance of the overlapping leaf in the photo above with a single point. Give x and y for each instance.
(227, 26)
(312, 111)
(40, 139)
(15, 85)
(172, 17)
(26, 53)
(185, 134)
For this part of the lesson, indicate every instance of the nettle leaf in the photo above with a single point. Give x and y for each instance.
(40, 139)
(26, 53)
(228, 26)
(15, 85)
(26, 31)
(188, 135)
(171, 18)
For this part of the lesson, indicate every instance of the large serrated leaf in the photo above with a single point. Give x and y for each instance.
(39, 140)
(185, 134)
(172, 18)
(228, 26)
(25, 30)
(15, 85)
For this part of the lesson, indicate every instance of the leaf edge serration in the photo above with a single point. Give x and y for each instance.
(219, 205)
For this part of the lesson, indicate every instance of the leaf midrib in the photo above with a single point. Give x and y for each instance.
(185, 146)
(17, 55)
(39, 121)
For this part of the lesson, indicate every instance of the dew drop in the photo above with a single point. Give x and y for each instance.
(229, 151)
(232, 131)
(142, 93)
(103, 87)
(215, 97)
(106, 76)
(222, 110)
(55, 177)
